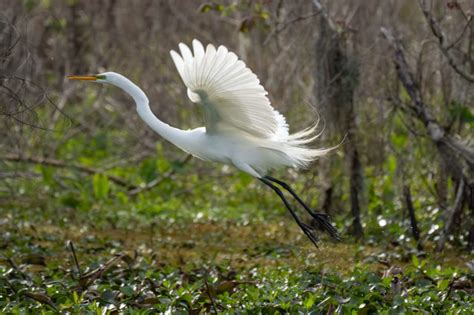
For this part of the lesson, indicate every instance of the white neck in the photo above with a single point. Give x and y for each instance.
(173, 135)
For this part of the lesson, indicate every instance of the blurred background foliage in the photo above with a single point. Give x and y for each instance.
(77, 154)
(92, 126)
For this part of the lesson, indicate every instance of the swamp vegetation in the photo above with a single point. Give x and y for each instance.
(99, 215)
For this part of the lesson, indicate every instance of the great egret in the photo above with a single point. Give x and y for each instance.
(241, 127)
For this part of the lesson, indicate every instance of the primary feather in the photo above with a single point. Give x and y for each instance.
(230, 93)
(234, 102)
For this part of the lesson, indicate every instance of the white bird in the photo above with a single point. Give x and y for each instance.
(241, 127)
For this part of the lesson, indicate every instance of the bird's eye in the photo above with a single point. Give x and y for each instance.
(100, 77)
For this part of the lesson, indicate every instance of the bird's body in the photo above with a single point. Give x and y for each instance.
(241, 127)
(247, 153)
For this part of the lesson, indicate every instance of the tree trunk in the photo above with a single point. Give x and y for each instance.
(336, 78)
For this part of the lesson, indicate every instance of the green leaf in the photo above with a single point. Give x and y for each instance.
(392, 164)
(29, 5)
(101, 186)
(48, 173)
(75, 297)
(206, 7)
(386, 281)
(463, 112)
(264, 15)
(127, 290)
(122, 197)
(310, 301)
(148, 169)
(108, 296)
(443, 284)
(399, 140)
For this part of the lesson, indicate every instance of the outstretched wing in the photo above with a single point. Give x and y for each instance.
(230, 93)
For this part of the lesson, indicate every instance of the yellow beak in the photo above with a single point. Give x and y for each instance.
(82, 77)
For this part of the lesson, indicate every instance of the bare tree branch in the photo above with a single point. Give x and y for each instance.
(444, 46)
(452, 214)
(422, 112)
(458, 156)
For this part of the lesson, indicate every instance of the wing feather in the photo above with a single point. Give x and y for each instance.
(230, 93)
(178, 61)
(198, 57)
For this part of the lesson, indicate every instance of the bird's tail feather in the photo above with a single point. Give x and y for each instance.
(296, 146)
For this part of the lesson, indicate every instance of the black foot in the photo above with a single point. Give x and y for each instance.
(322, 221)
(310, 233)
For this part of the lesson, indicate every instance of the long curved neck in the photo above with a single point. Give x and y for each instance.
(173, 135)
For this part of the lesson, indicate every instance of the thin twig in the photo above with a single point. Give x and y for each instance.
(88, 278)
(466, 27)
(324, 14)
(452, 214)
(450, 289)
(286, 24)
(41, 298)
(210, 296)
(76, 262)
(444, 46)
(436, 132)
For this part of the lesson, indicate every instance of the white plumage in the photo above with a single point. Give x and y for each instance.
(230, 93)
(236, 107)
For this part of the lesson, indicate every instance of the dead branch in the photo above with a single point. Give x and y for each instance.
(452, 214)
(324, 13)
(42, 298)
(278, 29)
(61, 164)
(210, 297)
(454, 152)
(74, 256)
(88, 278)
(437, 133)
(444, 46)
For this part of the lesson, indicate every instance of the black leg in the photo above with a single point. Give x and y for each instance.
(306, 228)
(321, 218)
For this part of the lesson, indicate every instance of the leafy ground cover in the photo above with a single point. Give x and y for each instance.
(209, 241)
(88, 263)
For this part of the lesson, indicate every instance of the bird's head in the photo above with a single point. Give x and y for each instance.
(105, 77)
(116, 79)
